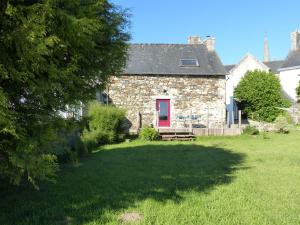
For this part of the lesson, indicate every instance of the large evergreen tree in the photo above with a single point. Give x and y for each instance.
(53, 53)
(260, 95)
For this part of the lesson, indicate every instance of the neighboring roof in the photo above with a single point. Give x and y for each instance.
(292, 60)
(229, 67)
(164, 59)
(274, 65)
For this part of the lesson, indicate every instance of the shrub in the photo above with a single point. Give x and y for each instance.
(288, 117)
(67, 144)
(282, 124)
(261, 96)
(104, 125)
(149, 134)
(28, 158)
(251, 130)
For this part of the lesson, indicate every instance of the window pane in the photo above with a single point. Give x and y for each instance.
(189, 62)
(163, 111)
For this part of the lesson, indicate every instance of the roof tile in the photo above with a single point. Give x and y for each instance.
(164, 59)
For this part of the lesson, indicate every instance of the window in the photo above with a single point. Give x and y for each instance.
(189, 62)
(163, 111)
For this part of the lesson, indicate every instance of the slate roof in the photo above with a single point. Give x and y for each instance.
(273, 65)
(229, 67)
(164, 59)
(292, 60)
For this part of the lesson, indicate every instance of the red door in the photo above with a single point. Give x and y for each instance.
(163, 108)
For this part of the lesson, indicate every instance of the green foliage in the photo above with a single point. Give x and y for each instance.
(298, 91)
(53, 53)
(250, 130)
(288, 117)
(104, 125)
(67, 145)
(149, 134)
(37, 166)
(282, 124)
(260, 95)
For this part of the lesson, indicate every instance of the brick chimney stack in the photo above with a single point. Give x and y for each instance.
(194, 40)
(295, 40)
(210, 44)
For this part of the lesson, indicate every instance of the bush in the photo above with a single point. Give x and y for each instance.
(104, 125)
(282, 124)
(288, 117)
(251, 130)
(28, 158)
(149, 134)
(261, 96)
(67, 144)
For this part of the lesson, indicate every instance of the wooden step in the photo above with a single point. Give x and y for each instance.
(181, 137)
(174, 130)
(178, 135)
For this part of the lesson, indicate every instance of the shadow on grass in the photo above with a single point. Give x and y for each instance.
(116, 179)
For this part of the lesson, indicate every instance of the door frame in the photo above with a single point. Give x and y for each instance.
(168, 122)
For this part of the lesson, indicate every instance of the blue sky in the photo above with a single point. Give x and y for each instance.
(238, 26)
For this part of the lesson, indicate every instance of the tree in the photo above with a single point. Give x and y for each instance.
(298, 91)
(53, 53)
(260, 95)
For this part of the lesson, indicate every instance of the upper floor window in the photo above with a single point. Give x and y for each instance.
(189, 62)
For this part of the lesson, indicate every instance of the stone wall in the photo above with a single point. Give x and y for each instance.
(199, 96)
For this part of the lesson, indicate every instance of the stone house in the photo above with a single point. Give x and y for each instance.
(171, 85)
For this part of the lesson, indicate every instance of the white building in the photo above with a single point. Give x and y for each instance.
(289, 72)
(238, 71)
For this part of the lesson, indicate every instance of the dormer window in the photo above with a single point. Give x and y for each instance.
(189, 62)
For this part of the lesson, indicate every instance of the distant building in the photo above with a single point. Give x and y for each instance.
(289, 72)
(237, 72)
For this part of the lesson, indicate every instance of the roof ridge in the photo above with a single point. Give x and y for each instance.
(277, 60)
(249, 55)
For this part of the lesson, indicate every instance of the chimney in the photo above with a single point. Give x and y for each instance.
(295, 38)
(194, 40)
(266, 51)
(210, 43)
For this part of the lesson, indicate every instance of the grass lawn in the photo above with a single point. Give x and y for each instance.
(217, 181)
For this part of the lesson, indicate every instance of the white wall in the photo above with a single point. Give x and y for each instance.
(289, 80)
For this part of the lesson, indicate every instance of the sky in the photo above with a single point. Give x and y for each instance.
(238, 26)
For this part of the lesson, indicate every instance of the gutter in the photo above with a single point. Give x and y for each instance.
(289, 68)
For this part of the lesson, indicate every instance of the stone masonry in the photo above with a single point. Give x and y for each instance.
(200, 97)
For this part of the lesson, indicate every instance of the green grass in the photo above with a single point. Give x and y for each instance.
(217, 181)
